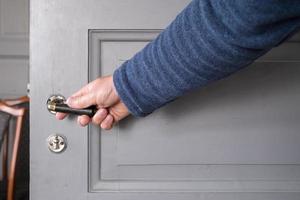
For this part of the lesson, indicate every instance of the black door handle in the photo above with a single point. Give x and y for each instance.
(56, 103)
(64, 108)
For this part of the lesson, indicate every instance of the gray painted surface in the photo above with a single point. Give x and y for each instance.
(14, 49)
(235, 139)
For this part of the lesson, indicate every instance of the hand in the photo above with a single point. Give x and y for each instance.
(102, 93)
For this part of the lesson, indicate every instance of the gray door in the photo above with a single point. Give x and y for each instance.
(238, 138)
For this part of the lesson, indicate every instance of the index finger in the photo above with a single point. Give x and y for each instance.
(84, 90)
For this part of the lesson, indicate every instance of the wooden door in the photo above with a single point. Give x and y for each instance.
(235, 139)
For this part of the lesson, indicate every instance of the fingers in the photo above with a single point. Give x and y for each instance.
(83, 120)
(83, 101)
(82, 98)
(119, 111)
(102, 118)
(116, 113)
(84, 90)
(107, 123)
(99, 116)
(101, 93)
(60, 116)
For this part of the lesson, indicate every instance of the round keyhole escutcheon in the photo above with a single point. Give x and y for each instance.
(56, 143)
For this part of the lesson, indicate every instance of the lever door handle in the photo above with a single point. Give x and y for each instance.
(56, 103)
(64, 108)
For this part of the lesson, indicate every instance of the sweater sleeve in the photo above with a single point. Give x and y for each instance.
(208, 40)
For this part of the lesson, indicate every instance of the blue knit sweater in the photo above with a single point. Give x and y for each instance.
(208, 40)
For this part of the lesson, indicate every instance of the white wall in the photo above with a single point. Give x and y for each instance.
(14, 47)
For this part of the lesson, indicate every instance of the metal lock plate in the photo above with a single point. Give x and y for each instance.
(56, 98)
(56, 143)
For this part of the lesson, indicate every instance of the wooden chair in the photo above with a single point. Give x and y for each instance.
(9, 106)
(14, 102)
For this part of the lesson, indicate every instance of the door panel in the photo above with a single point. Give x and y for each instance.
(236, 129)
(237, 138)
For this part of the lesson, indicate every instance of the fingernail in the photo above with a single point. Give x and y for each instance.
(103, 126)
(79, 122)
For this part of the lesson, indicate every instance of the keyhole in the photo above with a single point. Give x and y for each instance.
(56, 143)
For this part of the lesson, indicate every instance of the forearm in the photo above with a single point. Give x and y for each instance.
(209, 40)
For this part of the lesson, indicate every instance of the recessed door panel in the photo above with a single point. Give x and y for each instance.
(236, 129)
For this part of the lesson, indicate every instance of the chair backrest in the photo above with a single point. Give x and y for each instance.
(17, 101)
(19, 114)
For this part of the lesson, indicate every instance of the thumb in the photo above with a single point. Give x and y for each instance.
(118, 111)
(82, 101)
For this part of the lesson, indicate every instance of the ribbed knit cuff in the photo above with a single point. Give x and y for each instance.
(125, 92)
